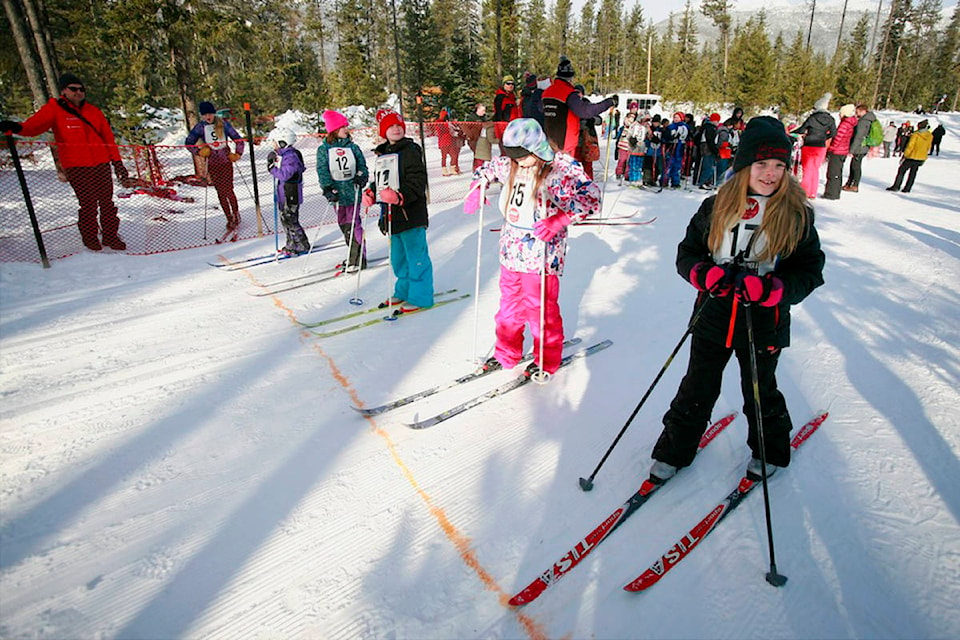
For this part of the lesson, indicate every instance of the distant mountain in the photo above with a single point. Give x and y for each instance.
(786, 17)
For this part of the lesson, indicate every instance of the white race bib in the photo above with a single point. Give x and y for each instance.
(210, 136)
(343, 164)
(740, 239)
(519, 205)
(386, 172)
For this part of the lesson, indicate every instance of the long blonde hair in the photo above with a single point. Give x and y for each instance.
(542, 172)
(785, 218)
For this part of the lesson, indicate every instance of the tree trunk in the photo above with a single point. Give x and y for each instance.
(37, 16)
(883, 55)
(28, 57)
(813, 9)
(843, 17)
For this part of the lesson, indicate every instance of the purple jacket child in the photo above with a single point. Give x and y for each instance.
(285, 164)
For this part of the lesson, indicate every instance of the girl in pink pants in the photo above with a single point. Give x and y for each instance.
(542, 193)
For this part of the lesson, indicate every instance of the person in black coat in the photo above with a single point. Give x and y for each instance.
(753, 248)
(400, 180)
(817, 131)
(938, 134)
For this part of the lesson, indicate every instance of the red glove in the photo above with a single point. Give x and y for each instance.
(547, 228)
(389, 196)
(766, 291)
(368, 199)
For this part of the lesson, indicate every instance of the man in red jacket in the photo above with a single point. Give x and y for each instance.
(86, 150)
(563, 108)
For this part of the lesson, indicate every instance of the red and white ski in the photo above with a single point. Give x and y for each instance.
(580, 550)
(682, 548)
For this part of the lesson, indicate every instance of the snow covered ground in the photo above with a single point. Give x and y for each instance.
(178, 458)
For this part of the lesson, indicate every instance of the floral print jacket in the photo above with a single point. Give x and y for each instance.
(566, 189)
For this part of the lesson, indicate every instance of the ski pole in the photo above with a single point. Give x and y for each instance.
(356, 299)
(389, 257)
(276, 222)
(353, 230)
(476, 286)
(316, 236)
(773, 577)
(587, 483)
(606, 165)
(206, 188)
(12, 146)
(541, 376)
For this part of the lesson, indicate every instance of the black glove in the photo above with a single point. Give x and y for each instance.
(359, 180)
(616, 99)
(121, 172)
(633, 141)
(382, 222)
(271, 157)
(331, 194)
(11, 126)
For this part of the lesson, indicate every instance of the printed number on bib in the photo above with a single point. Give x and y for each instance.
(343, 165)
(521, 205)
(387, 172)
(741, 237)
(210, 136)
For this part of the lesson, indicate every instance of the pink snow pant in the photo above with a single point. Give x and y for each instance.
(811, 159)
(622, 156)
(519, 306)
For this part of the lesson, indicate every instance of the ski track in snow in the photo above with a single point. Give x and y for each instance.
(178, 458)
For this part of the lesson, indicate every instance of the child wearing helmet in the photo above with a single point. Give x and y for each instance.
(342, 172)
(285, 163)
(543, 192)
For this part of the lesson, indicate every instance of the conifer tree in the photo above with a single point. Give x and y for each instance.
(751, 78)
(853, 77)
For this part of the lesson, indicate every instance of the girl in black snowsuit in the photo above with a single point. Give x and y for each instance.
(753, 244)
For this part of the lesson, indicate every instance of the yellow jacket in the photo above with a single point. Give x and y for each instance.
(919, 145)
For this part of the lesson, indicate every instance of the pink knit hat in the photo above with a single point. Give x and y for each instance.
(333, 120)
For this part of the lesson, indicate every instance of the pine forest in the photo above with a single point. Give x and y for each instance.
(315, 54)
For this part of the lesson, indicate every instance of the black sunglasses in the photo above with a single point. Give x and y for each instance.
(78, 89)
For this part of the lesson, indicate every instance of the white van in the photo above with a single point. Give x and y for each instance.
(649, 102)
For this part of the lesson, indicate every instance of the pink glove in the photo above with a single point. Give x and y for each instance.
(766, 291)
(471, 204)
(547, 228)
(390, 196)
(368, 199)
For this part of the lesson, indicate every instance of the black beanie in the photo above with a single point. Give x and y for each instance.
(764, 138)
(565, 69)
(66, 80)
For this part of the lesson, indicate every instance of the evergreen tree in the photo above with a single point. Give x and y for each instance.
(719, 13)
(853, 77)
(946, 79)
(751, 76)
(353, 81)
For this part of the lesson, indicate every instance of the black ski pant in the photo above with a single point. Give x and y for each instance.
(853, 180)
(907, 165)
(834, 176)
(690, 410)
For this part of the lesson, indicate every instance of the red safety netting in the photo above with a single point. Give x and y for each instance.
(170, 201)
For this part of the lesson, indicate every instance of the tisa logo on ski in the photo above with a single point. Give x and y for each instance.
(579, 550)
(657, 567)
(686, 543)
